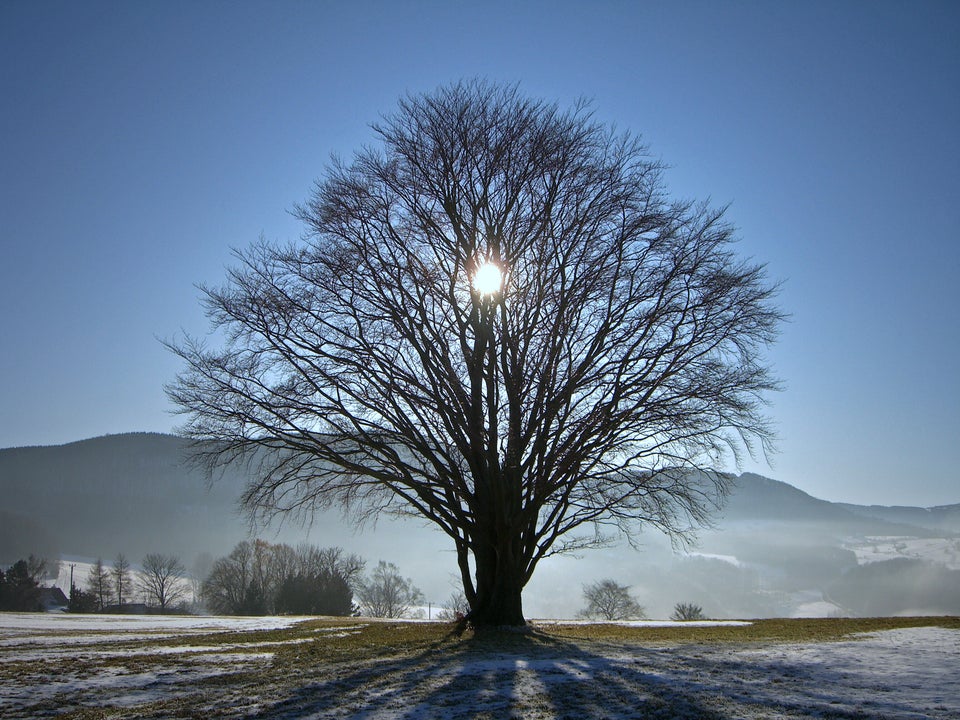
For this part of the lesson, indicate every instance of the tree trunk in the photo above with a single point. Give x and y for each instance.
(499, 587)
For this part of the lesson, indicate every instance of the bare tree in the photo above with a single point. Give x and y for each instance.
(262, 578)
(607, 600)
(225, 590)
(687, 611)
(612, 360)
(331, 561)
(386, 593)
(120, 574)
(162, 579)
(284, 563)
(98, 580)
(456, 608)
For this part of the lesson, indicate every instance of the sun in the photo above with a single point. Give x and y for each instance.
(488, 279)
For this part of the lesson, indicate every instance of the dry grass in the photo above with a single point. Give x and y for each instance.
(801, 630)
(322, 661)
(380, 639)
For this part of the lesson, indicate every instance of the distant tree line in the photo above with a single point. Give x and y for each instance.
(260, 578)
(255, 578)
(161, 584)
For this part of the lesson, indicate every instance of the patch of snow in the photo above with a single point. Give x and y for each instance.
(729, 559)
(904, 674)
(646, 623)
(813, 604)
(54, 640)
(55, 624)
(894, 675)
(897, 675)
(945, 551)
(124, 688)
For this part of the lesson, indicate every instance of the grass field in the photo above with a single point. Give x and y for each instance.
(334, 668)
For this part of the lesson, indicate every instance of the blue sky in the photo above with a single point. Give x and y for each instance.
(141, 141)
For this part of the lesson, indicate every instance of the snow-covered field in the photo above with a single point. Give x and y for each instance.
(284, 668)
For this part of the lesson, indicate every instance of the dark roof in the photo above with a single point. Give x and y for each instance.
(52, 597)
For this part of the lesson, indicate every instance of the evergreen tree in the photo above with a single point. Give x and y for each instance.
(21, 593)
(82, 601)
(100, 584)
(121, 576)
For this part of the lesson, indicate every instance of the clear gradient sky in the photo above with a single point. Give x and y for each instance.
(141, 141)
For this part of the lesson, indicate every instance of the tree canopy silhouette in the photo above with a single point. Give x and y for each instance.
(616, 355)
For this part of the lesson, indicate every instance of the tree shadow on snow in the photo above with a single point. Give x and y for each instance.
(506, 675)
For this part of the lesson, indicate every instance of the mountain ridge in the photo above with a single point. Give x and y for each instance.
(138, 493)
(165, 437)
(105, 487)
(771, 499)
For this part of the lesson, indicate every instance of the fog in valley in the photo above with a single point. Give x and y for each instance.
(773, 550)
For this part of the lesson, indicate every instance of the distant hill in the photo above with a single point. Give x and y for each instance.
(944, 517)
(773, 546)
(138, 493)
(760, 499)
(132, 493)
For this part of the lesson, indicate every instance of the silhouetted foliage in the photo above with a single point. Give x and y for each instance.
(225, 588)
(362, 367)
(321, 594)
(38, 568)
(259, 578)
(82, 601)
(607, 600)
(19, 591)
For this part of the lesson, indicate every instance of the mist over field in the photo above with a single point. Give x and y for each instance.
(773, 551)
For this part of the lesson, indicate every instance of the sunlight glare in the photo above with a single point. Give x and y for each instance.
(487, 279)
